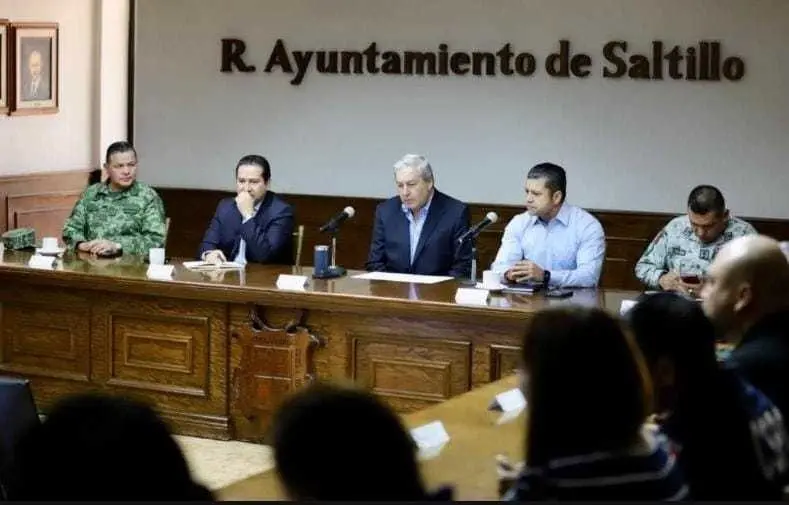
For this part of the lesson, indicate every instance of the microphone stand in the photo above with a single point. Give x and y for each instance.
(333, 271)
(472, 280)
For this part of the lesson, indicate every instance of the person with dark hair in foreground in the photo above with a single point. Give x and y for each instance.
(102, 448)
(589, 395)
(323, 422)
(678, 257)
(729, 437)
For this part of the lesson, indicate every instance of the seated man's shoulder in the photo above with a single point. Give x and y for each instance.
(279, 204)
(146, 191)
(389, 204)
(739, 227)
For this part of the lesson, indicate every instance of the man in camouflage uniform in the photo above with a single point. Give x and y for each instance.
(689, 243)
(119, 215)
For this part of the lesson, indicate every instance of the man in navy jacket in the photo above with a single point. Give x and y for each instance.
(255, 226)
(417, 231)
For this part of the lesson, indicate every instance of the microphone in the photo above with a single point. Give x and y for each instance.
(347, 213)
(490, 218)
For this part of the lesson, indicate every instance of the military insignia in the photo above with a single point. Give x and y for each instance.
(706, 254)
(677, 251)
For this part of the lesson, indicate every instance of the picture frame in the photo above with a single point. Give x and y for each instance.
(5, 34)
(35, 63)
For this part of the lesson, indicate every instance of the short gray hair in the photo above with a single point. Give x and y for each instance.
(417, 162)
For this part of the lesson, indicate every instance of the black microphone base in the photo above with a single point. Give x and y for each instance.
(331, 273)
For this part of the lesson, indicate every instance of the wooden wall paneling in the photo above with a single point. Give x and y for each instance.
(41, 190)
(48, 222)
(627, 233)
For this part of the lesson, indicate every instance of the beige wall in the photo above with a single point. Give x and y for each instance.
(93, 88)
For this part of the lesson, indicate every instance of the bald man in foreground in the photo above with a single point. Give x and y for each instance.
(746, 295)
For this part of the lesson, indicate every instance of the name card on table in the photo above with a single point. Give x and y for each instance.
(292, 282)
(160, 272)
(40, 261)
(472, 296)
(626, 306)
(511, 402)
(430, 438)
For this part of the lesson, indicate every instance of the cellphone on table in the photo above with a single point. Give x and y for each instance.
(558, 293)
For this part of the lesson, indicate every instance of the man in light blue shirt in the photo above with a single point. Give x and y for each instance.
(552, 242)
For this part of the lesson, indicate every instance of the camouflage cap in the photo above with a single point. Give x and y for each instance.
(20, 238)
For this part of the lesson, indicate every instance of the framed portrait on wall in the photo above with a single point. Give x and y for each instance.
(4, 85)
(35, 63)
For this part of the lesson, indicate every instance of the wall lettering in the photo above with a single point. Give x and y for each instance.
(703, 61)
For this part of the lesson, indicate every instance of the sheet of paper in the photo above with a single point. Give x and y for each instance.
(204, 265)
(395, 277)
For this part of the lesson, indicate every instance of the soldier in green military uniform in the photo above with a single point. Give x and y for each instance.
(689, 243)
(121, 215)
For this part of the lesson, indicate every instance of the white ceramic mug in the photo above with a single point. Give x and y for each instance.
(49, 243)
(156, 256)
(490, 279)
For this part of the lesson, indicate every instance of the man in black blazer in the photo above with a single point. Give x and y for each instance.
(255, 226)
(417, 231)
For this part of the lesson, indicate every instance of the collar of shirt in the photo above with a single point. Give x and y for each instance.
(422, 212)
(563, 217)
(132, 190)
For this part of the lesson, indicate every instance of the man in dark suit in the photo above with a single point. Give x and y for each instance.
(417, 231)
(255, 226)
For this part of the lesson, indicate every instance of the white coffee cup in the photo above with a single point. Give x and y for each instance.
(156, 256)
(49, 243)
(491, 279)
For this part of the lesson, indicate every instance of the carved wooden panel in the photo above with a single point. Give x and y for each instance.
(159, 353)
(504, 360)
(410, 373)
(169, 351)
(45, 340)
(273, 362)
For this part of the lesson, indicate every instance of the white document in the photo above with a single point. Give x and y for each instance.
(410, 278)
(205, 265)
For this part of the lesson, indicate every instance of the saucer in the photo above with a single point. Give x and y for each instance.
(496, 289)
(50, 252)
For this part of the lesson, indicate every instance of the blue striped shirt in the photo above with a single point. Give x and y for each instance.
(648, 473)
(415, 224)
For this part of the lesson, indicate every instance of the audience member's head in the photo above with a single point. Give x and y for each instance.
(678, 344)
(103, 448)
(321, 423)
(747, 280)
(586, 384)
(707, 212)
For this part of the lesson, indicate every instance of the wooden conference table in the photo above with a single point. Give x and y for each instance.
(467, 461)
(216, 352)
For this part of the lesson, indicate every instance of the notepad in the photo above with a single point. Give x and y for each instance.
(205, 265)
